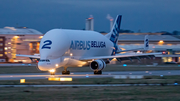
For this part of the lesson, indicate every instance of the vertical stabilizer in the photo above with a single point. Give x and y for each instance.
(114, 34)
(146, 42)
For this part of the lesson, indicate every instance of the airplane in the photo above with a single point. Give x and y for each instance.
(79, 48)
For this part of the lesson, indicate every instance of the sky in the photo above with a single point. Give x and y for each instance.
(137, 15)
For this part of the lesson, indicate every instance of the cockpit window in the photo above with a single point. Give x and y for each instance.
(44, 60)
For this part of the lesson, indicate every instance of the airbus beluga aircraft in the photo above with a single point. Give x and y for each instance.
(78, 48)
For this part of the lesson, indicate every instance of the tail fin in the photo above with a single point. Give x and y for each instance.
(114, 34)
(146, 42)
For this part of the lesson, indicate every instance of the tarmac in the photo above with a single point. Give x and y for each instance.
(18, 76)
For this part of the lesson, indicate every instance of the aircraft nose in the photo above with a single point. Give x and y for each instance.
(48, 64)
(43, 66)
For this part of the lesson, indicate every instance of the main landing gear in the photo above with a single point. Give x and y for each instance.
(65, 71)
(98, 72)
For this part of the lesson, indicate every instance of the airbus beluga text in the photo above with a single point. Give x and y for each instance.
(78, 48)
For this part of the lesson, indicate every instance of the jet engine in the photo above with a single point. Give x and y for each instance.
(98, 65)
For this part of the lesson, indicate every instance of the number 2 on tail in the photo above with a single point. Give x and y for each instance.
(46, 45)
(147, 43)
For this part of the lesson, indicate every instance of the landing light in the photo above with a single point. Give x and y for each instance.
(52, 70)
(71, 54)
(57, 65)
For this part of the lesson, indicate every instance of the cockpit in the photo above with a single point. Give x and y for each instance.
(44, 60)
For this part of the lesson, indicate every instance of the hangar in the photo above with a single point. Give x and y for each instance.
(20, 40)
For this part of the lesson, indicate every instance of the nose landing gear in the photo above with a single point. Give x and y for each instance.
(52, 71)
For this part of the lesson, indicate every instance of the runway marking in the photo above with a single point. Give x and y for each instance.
(91, 85)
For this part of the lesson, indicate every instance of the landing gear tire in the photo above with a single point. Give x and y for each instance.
(98, 72)
(65, 72)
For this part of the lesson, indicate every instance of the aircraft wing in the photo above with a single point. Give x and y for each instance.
(29, 56)
(126, 55)
(131, 50)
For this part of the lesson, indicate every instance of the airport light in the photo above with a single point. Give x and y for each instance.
(71, 54)
(65, 79)
(41, 37)
(57, 65)
(54, 79)
(124, 65)
(59, 79)
(22, 80)
(161, 41)
(16, 36)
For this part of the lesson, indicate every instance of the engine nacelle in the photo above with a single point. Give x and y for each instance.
(98, 65)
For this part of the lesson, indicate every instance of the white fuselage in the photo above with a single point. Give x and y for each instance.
(64, 48)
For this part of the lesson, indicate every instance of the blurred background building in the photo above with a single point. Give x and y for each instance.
(90, 23)
(111, 21)
(18, 41)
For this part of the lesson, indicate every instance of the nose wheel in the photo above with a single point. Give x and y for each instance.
(52, 71)
(65, 71)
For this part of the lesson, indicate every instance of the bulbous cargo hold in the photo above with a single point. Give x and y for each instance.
(64, 47)
(54, 44)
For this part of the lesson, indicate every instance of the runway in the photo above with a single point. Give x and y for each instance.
(86, 74)
(90, 85)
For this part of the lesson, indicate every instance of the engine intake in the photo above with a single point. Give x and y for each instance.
(98, 65)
